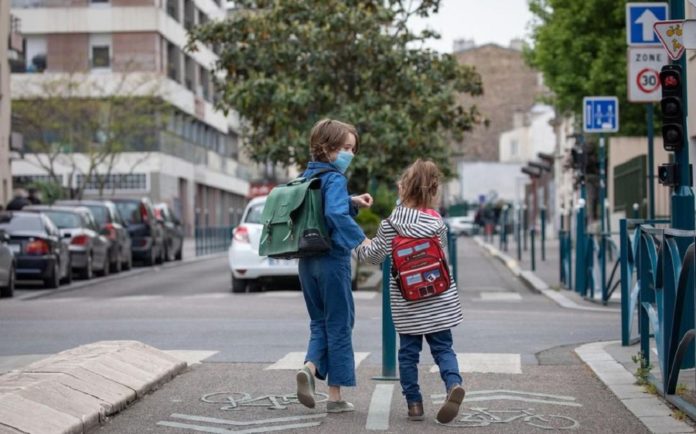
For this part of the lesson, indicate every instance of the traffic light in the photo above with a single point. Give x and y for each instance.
(673, 121)
(668, 175)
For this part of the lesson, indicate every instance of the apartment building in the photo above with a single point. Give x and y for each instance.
(11, 52)
(194, 164)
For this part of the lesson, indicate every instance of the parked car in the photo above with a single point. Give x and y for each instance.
(7, 266)
(40, 252)
(173, 232)
(112, 227)
(147, 235)
(462, 225)
(89, 250)
(247, 266)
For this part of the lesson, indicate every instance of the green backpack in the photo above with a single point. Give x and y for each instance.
(293, 220)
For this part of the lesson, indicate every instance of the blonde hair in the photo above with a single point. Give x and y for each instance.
(420, 183)
(327, 136)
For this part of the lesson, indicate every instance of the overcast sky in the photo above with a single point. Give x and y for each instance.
(483, 21)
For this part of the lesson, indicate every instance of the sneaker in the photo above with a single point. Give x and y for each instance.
(450, 409)
(305, 387)
(339, 406)
(415, 411)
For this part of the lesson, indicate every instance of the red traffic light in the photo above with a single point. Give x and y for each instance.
(670, 81)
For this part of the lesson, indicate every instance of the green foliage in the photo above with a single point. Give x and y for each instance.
(49, 191)
(580, 46)
(642, 370)
(384, 200)
(368, 221)
(288, 64)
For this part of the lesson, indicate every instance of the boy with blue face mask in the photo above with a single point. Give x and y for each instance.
(326, 279)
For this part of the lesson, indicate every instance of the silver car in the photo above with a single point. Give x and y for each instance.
(89, 250)
(7, 266)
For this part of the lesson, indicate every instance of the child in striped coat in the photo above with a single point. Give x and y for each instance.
(430, 318)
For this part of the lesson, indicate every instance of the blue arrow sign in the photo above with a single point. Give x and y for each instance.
(640, 18)
(600, 114)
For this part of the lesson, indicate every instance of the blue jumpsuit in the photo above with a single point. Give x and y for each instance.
(326, 284)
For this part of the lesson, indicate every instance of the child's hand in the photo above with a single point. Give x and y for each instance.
(362, 201)
(366, 242)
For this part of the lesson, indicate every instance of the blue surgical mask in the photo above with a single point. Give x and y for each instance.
(343, 160)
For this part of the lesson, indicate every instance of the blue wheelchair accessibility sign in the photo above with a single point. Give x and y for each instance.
(600, 114)
(640, 19)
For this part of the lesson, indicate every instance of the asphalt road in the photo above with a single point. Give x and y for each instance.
(524, 340)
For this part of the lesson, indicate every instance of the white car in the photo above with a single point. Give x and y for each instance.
(462, 225)
(246, 265)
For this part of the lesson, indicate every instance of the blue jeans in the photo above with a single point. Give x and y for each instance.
(409, 353)
(328, 295)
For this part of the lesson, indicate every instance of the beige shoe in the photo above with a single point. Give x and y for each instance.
(450, 409)
(305, 387)
(339, 406)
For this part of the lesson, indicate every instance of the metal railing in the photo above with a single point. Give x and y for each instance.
(662, 293)
(212, 239)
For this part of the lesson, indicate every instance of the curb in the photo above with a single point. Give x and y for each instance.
(122, 275)
(75, 390)
(649, 409)
(534, 283)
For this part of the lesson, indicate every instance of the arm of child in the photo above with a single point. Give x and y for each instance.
(378, 249)
(442, 232)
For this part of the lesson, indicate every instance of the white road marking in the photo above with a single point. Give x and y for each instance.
(500, 296)
(295, 360)
(211, 429)
(210, 295)
(281, 294)
(246, 422)
(488, 363)
(191, 357)
(130, 298)
(364, 295)
(380, 405)
(512, 395)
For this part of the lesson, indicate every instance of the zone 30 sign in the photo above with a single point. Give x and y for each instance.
(644, 65)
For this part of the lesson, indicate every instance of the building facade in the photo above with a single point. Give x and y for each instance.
(193, 162)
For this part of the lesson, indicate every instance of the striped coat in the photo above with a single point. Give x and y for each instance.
(423, 316)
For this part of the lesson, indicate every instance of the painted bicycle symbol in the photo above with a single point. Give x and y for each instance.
(237, 400)
(480, 417)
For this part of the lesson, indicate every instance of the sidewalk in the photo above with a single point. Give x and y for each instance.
(546, 278)
(611, 362)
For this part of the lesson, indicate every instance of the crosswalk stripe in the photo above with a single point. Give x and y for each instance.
(295, 360)
(380, 406)
(500, 296)
(487, 363)
(191, 357)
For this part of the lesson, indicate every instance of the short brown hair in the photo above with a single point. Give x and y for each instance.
(327, 136)
(419, 184)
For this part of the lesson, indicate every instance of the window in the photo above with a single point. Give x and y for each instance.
(100, 57)
(173, 9)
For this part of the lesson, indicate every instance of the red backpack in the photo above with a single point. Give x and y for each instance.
(419, 265)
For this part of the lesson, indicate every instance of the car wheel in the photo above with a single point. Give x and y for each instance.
(238, 285)
(67, 280)
(128, 265)
(53, 279)
(180, 254)
(107, 268)
(8, 290)
(151, 257)
(88, 272)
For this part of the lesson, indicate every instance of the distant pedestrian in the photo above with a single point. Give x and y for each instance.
(326, 279)
(34, 196)
(430, 318)
(19, 200)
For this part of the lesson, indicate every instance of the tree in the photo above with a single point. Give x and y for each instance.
(75, 120)
(580, 46)
(284, 65)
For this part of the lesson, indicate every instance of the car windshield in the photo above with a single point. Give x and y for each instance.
(100, 214)
(254, 214)
(64, 220)
(19, 223)
(130, 212)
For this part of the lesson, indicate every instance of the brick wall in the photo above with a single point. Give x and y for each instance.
(509, 85)
(67, 52)
(136, 52)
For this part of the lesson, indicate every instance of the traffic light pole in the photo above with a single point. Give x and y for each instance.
(650, 108)
(683, 208)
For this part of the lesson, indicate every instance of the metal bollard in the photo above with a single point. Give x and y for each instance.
(531, 234)
(518, 231)
(388, 330)
(543, 233)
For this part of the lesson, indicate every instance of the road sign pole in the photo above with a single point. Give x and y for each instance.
(650, 108)
(683, 196)
(602, 208)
